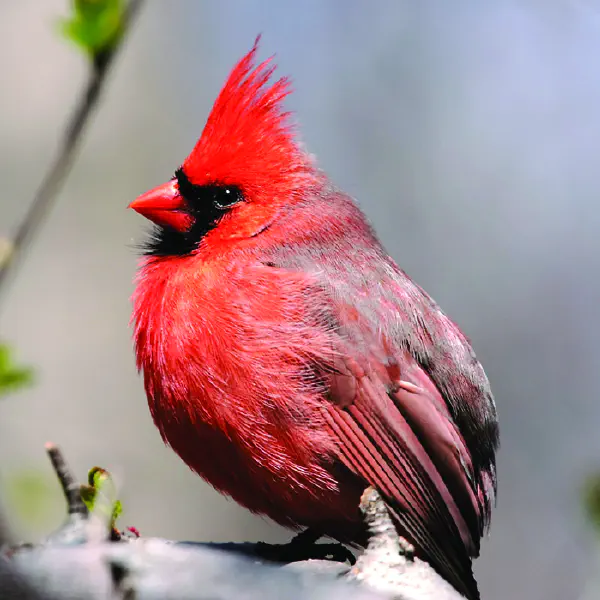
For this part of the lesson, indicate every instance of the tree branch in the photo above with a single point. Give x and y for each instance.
(47, 192)
(67, 481)
(80, 561)
(388, 563)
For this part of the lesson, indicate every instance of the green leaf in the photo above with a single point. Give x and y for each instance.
(116, 513)
(591, 498)
(101, 495)
(95, 26)
(12, 377)
(88, 495)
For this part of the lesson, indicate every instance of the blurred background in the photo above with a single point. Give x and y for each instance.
(470, 134)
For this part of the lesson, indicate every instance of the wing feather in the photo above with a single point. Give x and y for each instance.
(376, 442)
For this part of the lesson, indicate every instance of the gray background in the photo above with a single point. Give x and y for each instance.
(469, 132)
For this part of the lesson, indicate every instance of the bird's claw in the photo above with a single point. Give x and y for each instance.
(295, 551)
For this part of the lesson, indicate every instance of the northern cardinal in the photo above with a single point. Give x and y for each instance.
(289, 361)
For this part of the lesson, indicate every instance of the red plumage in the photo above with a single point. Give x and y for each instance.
(286, 357)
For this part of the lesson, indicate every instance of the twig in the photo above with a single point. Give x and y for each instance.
(388, 563)
(383, 533)
(46, 194)
(67, 481)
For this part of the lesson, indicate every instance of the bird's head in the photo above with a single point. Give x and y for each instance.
(245, 168)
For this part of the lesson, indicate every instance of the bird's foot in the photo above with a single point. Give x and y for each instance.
(304, 547)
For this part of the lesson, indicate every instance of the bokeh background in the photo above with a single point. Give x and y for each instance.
(470, 134)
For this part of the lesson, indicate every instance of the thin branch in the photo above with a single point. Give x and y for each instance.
(67, 481)
(47, 193)
(388, 563)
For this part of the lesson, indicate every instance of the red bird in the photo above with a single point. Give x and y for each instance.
(289, 361)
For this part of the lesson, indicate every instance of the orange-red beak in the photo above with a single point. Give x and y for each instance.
(164, 206)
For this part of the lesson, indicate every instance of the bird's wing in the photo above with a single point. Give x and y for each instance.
(394, 429)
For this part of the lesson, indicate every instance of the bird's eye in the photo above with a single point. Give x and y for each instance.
(226, 197)
(207, 199)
